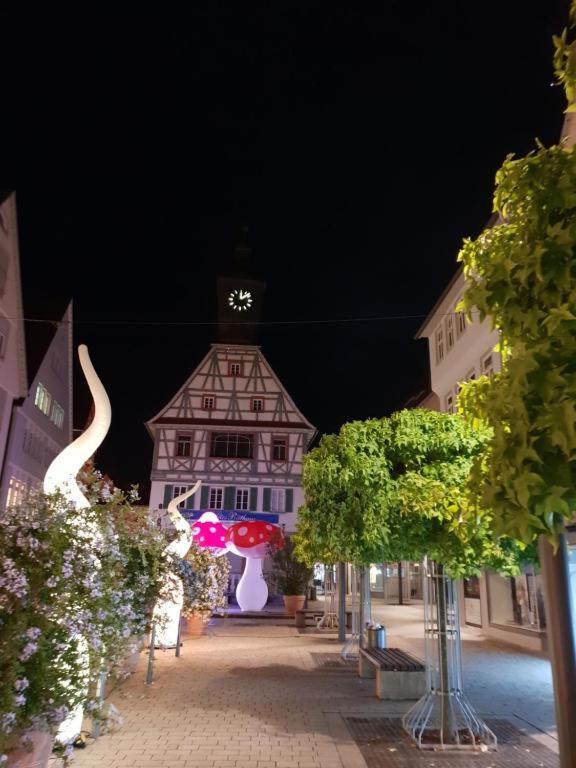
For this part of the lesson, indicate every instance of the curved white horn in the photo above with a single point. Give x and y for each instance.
(181, 543)
(61, 474)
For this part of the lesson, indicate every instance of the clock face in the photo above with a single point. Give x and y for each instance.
(240, 300)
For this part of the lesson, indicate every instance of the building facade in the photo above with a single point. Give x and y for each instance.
(233, 426)
(41, 424)
(509, 609)
(13, 384)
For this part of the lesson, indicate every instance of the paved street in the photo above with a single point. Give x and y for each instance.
(254, 693)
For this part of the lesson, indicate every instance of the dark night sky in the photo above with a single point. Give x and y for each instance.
(359, 142)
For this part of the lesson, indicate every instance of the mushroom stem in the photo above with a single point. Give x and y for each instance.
(252, 590)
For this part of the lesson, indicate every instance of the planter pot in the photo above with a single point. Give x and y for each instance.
(294, 603)
(39, 756)
(195, 624)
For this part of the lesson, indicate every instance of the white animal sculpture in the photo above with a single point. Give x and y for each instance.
(167, 610)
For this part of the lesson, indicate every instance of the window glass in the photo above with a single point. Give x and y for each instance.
(231, 445)
(242, 499)
(257, 404)
(439, 345)
(279, 449)
(516, 601)
(277, 500)
(215, 498)
(183, 445)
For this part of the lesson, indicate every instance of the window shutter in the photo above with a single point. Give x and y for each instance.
(266, 500)
(204, 491)
(289, 499)
(167, 495)
(253, 499)
(229, 497)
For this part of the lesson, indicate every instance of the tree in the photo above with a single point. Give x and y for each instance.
(395, 489)
(521, 274)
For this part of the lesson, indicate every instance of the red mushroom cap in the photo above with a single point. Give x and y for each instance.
(251, 538)
(209, 532)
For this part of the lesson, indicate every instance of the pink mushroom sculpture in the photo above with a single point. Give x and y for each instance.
(209, 532)
(251, 539)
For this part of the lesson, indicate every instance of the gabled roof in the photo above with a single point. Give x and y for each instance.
(211, 377)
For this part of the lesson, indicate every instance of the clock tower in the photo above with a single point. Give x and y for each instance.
(240, 298)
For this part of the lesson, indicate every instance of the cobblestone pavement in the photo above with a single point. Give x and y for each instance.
(255, 693)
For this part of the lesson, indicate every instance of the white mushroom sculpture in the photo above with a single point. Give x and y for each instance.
(61, 476)
(252, 539)
(166, 615)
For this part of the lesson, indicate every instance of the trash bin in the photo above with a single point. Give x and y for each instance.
(312, 593)
(375, 636)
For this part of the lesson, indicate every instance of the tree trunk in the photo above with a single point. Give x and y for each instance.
(561, 623)
(444, 683)
(342, 602)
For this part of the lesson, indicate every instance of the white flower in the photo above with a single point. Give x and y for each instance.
(21, 684)
(33, 633)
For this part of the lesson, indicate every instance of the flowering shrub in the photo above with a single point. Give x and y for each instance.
(69, 578)
(205, 580)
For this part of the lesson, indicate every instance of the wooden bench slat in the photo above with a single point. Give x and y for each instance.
(393, 659)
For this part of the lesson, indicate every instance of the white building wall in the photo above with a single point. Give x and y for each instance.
(459, 351)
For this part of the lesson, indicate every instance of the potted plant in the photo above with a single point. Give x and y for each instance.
(205, 579)
(290, 576)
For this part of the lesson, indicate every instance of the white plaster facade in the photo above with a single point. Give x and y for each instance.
(13, 383)
(506, 609)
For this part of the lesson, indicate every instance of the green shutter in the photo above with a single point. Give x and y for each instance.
(204, 491)
(289, 499)
(167, 495)
(266, 500)
(229, 497)
(253, 499)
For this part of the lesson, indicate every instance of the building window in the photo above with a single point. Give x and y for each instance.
(449, 403)
(439, 345)
(234, 369)
(471, 375)
(516, 601)
(57, 416)
(449, 332)
(183, 445)
(279, 449)
(242, 499)
(215, 498)
(488, 364)
(16, 492)
(43, 399)
(277, 500)
(231, 445)
(257, 404)
(178, 490)
(2, 345)
(209, 402)
(460, 322)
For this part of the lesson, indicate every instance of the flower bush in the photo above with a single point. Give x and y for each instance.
(205, 580)
(69, 578)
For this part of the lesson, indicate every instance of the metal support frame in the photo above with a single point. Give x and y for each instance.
(330, 618)
(350, 649)
(150, 670)
(342, 602)
(443, 719)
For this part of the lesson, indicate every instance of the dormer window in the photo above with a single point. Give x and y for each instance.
(257, 404)
(234, 369)
(208, 402)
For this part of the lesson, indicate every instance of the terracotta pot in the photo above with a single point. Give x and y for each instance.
(196, 623)
(294, 603)
(40, 755)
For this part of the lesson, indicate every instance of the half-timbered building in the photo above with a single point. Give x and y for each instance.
(233, 426)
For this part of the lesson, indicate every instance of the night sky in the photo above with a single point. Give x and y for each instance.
(358, 142)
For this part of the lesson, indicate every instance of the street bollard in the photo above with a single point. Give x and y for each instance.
(150, 672)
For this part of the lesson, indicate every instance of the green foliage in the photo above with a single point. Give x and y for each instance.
(290, 576)
(395, 489)
(565, 60)
(522, 274)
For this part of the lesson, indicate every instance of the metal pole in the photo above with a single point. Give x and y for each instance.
(150, 671)
(562, 644)
(342, 602)
(361, 629)
(101, 696)
(400, 600)
(178, 636)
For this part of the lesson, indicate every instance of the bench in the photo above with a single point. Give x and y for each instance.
(398, 675)
(301, 616)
